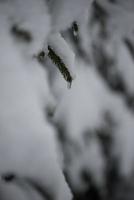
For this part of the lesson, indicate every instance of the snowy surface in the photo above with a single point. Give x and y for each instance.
(28, 142)
(63, 50)
(121, 16)
(64, 13)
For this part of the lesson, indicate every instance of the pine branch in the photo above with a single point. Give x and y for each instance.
(60, 64)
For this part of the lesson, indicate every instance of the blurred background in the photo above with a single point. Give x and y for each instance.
(93, 120)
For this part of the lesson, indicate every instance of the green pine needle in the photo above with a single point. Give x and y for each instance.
(60, 64)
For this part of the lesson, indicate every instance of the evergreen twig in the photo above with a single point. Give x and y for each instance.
(60, 64)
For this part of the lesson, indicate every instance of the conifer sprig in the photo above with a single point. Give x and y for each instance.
(60, 64)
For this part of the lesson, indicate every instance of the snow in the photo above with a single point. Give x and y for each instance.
(30, 15)
(16, 191)
(125, 66)
(80, 110)
(80, 103)
(27, 140)
(64, 13)
(28, 143)
(121, 16)
(123, 137)
(63, 50)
